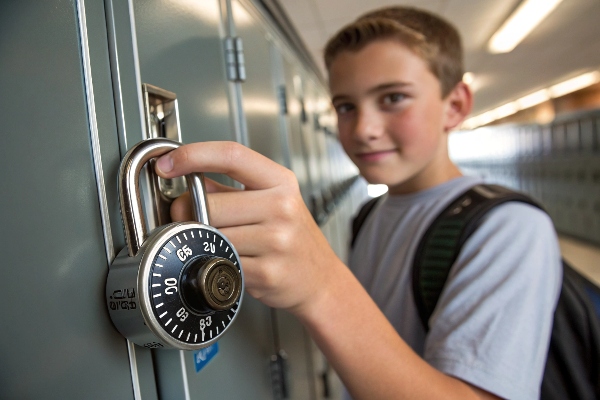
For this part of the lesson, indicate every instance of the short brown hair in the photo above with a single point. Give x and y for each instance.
(430, 37)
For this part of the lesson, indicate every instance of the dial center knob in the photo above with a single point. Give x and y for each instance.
(220, 283)
(211, 284)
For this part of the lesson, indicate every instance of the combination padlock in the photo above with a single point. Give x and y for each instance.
(180, 286)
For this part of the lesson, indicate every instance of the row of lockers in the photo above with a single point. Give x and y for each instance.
(71, 73)
(573, 134)
(557, 163)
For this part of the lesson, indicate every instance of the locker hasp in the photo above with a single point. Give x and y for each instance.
(179, 286)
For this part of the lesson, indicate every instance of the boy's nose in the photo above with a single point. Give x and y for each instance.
(367, 126)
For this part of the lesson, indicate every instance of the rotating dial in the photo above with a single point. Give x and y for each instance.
(195, 285)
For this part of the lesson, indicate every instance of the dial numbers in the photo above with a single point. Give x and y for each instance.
(173, 316)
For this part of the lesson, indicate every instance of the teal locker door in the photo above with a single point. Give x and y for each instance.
(260, 100)
(179, 47)
(268, 134)
(57, 341)
(298, 149)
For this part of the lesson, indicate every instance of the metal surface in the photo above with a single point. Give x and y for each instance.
(234, 59)
(61, 222)
(219, 283)
(162, 121)
(189, 61)
(260, 101)
(129, 190)
(93, 129)
(52, 227)
(148, 309)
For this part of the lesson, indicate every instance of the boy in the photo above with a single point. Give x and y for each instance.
(395, 80)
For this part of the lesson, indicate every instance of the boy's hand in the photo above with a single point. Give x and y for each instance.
(285, 257)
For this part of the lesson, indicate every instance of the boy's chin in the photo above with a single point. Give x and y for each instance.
(378, 179)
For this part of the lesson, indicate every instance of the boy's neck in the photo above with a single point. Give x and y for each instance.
(432, 176)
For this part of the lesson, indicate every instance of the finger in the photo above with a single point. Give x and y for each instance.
(181, 208)
(240, 208)
(249, 240)
(233, 159)
(214, 186)
(227, 209)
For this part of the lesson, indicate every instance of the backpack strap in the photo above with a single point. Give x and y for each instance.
(361, 217)
(441, 244)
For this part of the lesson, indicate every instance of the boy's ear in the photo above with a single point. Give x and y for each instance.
(458, 105)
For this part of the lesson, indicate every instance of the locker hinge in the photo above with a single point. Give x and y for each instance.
(234, 59)
(282, 95)
(280, 376)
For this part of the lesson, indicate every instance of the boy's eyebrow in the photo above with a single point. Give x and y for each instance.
(375, 89)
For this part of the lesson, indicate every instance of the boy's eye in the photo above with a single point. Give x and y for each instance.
(393, 98)
(343, 108)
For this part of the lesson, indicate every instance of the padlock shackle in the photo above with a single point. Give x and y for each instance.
(129, 190)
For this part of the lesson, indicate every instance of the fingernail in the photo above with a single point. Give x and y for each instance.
(165, 163)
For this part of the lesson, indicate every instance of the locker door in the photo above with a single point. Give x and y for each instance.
(268, 134)
(298, 150)
(259, 91)
(178, 46)
(57, 340)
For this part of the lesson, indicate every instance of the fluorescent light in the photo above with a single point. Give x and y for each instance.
(506, 110)
(533, 99)
(376, 190)
(525, 18)
(579, 82)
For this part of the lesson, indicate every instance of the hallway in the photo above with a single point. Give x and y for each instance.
(582, 256)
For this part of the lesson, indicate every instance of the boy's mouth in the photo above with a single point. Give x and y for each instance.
(373, 156)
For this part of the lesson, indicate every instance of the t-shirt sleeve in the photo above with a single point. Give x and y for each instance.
(492, 324)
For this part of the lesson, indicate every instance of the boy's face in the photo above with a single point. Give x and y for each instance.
(392, 119)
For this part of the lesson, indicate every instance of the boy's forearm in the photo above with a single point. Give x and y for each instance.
(366, 351)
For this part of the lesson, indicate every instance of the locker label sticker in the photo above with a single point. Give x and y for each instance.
(204, 356)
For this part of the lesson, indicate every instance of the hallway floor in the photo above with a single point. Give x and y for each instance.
(582, 256)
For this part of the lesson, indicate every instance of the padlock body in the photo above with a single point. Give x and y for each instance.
(145, 295)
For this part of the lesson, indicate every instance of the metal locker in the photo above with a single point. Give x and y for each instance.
(264, 99)
(57, 340)
(181, 48)
(75, 72)
(260, 102)
(294, 106)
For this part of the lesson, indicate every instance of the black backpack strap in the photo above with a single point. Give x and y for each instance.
(440, 245)
(361, 217)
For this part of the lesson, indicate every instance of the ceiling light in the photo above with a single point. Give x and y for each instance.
(526, 17)
(533, 99)
(579, 82)
(506, 110)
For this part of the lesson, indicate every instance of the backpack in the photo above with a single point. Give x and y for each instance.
(573, 364)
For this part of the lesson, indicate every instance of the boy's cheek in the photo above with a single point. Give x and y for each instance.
(346, 143)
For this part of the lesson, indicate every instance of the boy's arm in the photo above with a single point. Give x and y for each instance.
(288, 264)
(366, 351)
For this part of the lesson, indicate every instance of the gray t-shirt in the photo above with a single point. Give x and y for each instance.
(492, 324)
